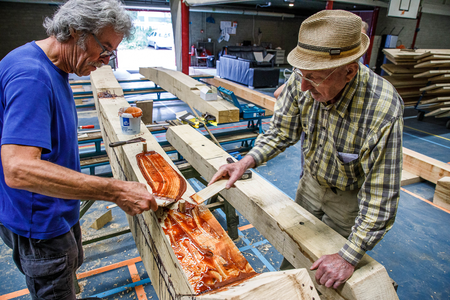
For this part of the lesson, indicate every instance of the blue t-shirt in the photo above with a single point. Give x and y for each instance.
(37, 109)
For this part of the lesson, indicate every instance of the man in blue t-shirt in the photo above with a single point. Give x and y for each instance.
(40, 177)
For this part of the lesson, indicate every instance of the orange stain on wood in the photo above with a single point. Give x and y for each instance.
(207, 255)
(162, 178)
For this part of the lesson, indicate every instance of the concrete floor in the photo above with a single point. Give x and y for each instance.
(415, 252)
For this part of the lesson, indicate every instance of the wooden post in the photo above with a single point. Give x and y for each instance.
(292, 230)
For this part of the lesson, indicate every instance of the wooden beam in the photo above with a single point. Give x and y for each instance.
(188, 90)
(163, 267)
(244, 92)
(268, 286)
(165, 272)
(426, 167)
(293, 231)
(442, 193)
(409, 178)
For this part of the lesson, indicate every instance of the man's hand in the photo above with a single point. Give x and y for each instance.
(332, 270)
(233, 171)
(137, 199)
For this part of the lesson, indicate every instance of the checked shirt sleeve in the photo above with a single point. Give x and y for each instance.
(285, 129)
(380, 192)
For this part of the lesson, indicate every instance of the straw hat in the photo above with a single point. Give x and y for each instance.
(329, 39)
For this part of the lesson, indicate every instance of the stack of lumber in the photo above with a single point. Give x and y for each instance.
(424, 72)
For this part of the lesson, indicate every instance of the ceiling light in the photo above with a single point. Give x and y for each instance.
(291, 4)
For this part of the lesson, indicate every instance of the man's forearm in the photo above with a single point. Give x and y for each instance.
(49, 179)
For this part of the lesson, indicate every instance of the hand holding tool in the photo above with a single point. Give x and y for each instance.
(247, 174)
(209, 191)
(120, 143)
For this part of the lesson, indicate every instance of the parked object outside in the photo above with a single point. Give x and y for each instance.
(160, 39)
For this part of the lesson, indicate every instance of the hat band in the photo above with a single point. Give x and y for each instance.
(330, 50)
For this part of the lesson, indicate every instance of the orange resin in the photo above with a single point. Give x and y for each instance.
(163, 179)
(208, 256)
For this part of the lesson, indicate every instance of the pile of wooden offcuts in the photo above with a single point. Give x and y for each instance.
(421, 73)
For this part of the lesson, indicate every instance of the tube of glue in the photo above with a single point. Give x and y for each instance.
(86, 127)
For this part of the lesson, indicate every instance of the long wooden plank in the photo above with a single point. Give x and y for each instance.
(293, 231)
(268, 286)
(393, 69)
(431, 73)
(435, 100)
(244, 92)
(434, 57)
(187, 89)
(438, 105)
(440, 78)
(430, 52)
(426, 167)
(445, 90)
(442, 193)
(444, 115)
(434, 86)
(163, 267)
(399, 82)
(433, 64)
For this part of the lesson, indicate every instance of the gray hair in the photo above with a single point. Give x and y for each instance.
(364, 27)
(88, 16)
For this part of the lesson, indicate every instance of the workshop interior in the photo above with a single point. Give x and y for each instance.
(189, 93)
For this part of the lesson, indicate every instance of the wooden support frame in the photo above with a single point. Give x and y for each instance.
(426, 167)
(149, 237)
(164, 269)
(250, 95)
(442, 193)
(293, 231)
(188, 89)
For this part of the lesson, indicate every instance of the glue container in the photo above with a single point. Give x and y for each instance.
(130, 120)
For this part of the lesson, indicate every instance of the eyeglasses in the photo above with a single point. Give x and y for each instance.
(104, 53)
(299, 73)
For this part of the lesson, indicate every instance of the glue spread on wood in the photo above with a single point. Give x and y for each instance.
(207, 255)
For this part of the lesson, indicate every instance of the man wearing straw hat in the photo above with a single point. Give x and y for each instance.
(350, 122)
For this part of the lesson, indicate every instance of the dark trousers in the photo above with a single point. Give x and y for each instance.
(48, 265)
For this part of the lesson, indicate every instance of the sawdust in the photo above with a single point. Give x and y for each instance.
(82, 284)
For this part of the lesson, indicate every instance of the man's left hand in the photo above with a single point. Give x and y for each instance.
(332, 270)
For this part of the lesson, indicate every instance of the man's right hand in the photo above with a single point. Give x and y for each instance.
(233, 171)
(136, 199)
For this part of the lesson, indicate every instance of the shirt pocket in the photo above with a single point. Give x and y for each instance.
(348, 165)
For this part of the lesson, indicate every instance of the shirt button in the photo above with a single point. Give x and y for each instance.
(316, 161)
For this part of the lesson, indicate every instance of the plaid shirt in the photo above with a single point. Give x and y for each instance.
(355, 143)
